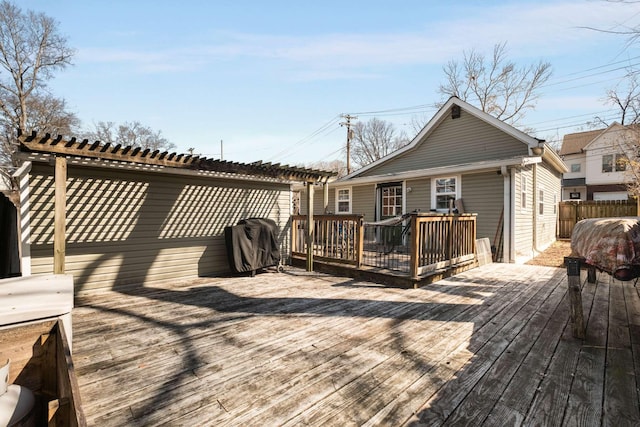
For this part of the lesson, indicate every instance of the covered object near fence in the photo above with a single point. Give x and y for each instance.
(134, 216)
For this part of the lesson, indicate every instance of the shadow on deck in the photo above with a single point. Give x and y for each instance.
(489, 346)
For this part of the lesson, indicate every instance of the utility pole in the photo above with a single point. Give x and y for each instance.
(347, 123)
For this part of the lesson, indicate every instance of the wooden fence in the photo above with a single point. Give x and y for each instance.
(572, 211)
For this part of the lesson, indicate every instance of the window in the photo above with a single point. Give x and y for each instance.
(575, 167)
(617, 163)
(607, 163)
(541, 201)
(621, 162)
(574, 195)
(523, 192)
(444, 190)
(555, 204)
(343, 200)
(391, 202)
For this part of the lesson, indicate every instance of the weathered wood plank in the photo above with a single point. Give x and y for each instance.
(588, 381)
(620, 392)
(307, 348)
(486, 392)
(514, 402)
(487, 346)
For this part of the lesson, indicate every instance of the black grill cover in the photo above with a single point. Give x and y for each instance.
(252, 244)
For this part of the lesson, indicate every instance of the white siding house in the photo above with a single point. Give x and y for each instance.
(596, 163)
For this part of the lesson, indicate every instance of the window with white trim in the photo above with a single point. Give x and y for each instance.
(541, 201)
(343, 200)
(443, 191)
(523, 191)
(607, 163)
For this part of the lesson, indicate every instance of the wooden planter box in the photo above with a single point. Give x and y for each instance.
(35, 335)
(41, 361)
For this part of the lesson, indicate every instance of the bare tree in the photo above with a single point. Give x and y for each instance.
(133, 133)
(626, 96)
(338, 166)
(496, 85)
(47, 114)
(31, 51)
(373, 140)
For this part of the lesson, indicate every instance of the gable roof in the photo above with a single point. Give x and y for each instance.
(105, 152)
(614, 127)
(439, 117)
(574, 143)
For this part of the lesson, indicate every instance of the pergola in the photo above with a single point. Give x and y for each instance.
(63, 150)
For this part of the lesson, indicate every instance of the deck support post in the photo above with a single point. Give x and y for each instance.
(575, 296)
(413, 247)
(59, 233)
(359, 241)
(309, 228)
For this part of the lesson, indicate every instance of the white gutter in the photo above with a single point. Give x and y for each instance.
(440, 170)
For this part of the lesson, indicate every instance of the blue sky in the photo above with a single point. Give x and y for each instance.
(270, 78)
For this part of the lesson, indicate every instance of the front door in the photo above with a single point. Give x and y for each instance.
(389, 206)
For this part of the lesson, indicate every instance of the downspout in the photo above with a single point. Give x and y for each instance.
(535, 210)
(512, 254)
(506, 203)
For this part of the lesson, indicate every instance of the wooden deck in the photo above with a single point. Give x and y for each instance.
(490, 346)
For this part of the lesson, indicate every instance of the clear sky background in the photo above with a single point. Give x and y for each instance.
(270, 78)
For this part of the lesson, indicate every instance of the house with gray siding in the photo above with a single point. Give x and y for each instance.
(466, 158)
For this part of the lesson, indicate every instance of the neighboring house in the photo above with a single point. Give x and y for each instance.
(511, 180)
(596, 163)
(135, 217)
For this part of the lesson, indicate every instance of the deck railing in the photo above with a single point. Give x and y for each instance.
(441, 241)
(417, 246)
(336, 238)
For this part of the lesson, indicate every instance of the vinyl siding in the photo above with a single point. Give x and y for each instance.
(455, 141)
(420, 195)
(364, 201)
(523, 225)
(547, 223)
(482, 194)
(133, 228)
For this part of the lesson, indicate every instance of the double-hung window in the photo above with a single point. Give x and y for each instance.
(523, 191)
(444, 190)
(343, 200)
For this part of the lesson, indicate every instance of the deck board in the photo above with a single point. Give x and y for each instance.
(490, 346)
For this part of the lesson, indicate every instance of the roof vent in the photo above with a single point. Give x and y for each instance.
(455, 111)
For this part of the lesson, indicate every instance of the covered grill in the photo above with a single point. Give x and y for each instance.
(252, 244)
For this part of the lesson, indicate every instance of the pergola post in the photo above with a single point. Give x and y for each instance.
(309, 236)
(325, 194)
(59, 244)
